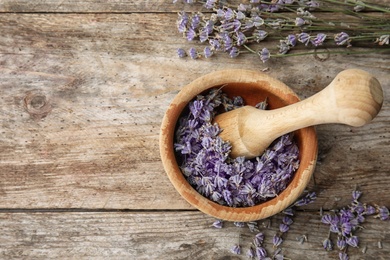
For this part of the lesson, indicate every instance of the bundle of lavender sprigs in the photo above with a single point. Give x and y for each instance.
(291, 24)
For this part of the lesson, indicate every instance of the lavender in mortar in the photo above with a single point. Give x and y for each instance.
(206, 164)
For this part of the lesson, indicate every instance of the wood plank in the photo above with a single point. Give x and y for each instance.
(83, 95)
(167, 235)
(101, 6)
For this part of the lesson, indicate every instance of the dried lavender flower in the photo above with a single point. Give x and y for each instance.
(277, 240)
(218, 224)
(327, 244)
(287, 220)
(283, 228)
(236, 249)
(181, 53)
(383, 213)
(342, 38)
(319, 39)
(264, 55)
(304, 38)
(207, 52)
(352, 241)
(343, 256)
(193, 53)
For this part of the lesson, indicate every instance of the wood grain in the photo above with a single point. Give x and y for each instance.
(167, 235)
(89, 136)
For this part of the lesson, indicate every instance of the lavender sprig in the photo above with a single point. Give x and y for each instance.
(235, 30)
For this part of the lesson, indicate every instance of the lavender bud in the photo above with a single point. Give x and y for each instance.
(299, 21)
(288, 211)
(207, 52)
(259, 239)
(383, 213)
(181, 53)
(341, 38)
(370, 210)
(236, 249)
(193, 53)
(240, 15)
(229, 14)
(343, 256)
(327, 219)
(277, 241)
(353, 241)
(195, 21)
(356, 195)
(250, 253)
(264, 55)
(218, 224)
(327, 244)
(341, 243)
(319, 39)
(291, 40)
(283, 47)
(287, 220)
(283, 228)
(182, 22)
(210, 4)
(190, 34)
(260, 35)
(304, 38)
(239, 224)
(261, 252)
(241, 39)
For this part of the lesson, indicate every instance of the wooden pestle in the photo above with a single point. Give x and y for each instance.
(354, 98)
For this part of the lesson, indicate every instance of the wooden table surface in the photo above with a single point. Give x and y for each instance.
(84, 86)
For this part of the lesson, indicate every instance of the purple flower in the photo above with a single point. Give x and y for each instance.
(193, 53)
(259, 239)
(288, 211)
(240, 15)
(342, 38)
(307, 199)
(181, 53)
(261, 252)
(346, 228)
(283, 228)
(291, 40)
(352, 241)
(277, 241)
(327, 219)
(233, 52)
(241, 39)
(218, 224)
(284, 47)
(264, 55)
(327, 244)
(229, 14)
(319, 39)
(207, 52)
(190, 34)
(341, 243)
(304, 38)
(182, 22)
(287, 220)
(299, 21)
(236, 249)
(210, 4)
(356, 195)
(343, 256)
(383, 213)
(259, 35)
(250, 253)
(370, 210)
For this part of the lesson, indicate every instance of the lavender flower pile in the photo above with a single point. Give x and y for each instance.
(257, 248)
(292, 24)
(345, 222)
(206, 164)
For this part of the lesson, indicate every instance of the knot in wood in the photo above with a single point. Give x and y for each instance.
(37, 105)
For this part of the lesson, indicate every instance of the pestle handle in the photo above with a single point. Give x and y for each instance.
(354, 98)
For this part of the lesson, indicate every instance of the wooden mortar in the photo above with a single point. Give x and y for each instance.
(253, 87)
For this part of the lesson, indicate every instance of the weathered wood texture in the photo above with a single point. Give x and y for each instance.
(169, 235)
(82, 96)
